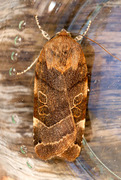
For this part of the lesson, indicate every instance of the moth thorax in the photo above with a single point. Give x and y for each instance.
(62, 54)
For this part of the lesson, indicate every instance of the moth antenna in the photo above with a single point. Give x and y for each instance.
(89, 24)
(79, 37)
(102, 48)
(20, 73)
(44, 33)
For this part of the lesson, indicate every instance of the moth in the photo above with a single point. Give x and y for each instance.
(60, 97)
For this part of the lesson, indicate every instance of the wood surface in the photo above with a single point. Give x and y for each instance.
(16, 93)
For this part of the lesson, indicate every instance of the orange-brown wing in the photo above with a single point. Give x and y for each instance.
(77, 86)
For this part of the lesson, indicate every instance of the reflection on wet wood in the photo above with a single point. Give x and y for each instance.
(16, 94)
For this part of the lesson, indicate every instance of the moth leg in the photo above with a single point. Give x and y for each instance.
(71, 153)
(28, 68)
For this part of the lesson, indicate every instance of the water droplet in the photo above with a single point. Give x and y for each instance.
(23, 149)
(17, 40)
(30, 163)
(15, 119)
(14, 56)
(12, 71)
(22, 25)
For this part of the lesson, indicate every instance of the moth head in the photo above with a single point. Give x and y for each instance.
(63, 32)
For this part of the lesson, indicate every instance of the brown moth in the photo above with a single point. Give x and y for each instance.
(60, 98)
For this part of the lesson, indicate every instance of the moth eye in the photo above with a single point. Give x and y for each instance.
(42, 97)
(78, 99)
(43, 110)
(76, 112)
